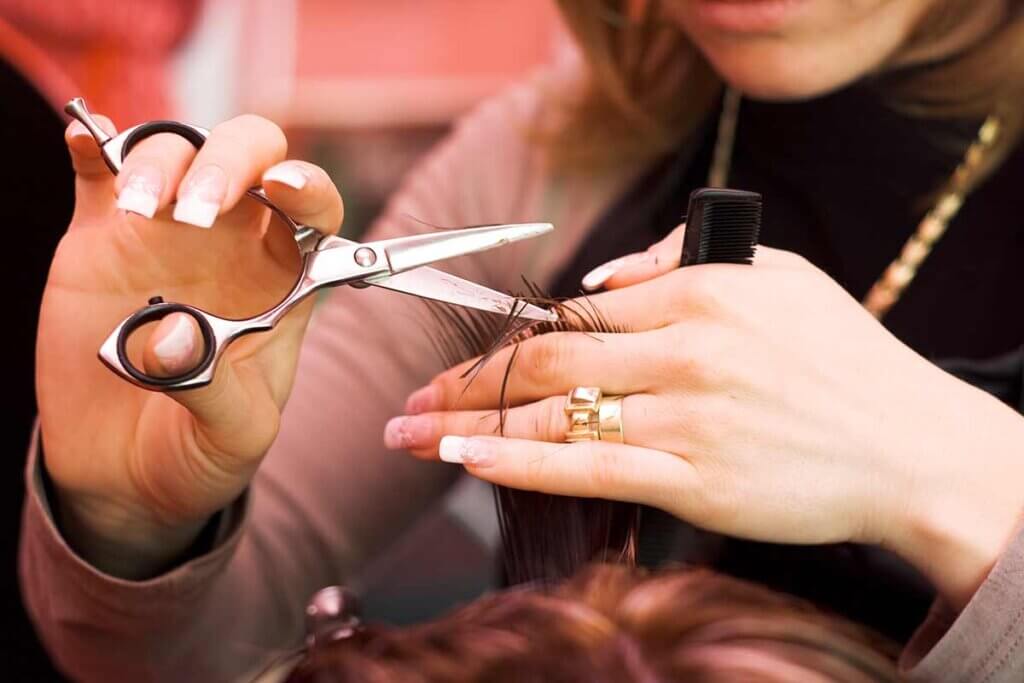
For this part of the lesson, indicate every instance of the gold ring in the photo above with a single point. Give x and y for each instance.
(593, 416)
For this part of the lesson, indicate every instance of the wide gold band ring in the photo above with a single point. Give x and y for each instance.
(594, 416)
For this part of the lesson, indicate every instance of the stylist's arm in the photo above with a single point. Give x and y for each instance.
(137, 474)
(761, 402)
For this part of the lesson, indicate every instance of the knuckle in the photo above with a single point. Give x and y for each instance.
(703, 291)
(246, 128)
(447, 391)
(796, 259)
(691, 353)
(543, 357)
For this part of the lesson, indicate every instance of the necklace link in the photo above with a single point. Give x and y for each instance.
(898, 275)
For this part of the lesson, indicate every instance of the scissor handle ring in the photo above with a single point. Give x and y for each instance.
(159, 311)
(145, 130)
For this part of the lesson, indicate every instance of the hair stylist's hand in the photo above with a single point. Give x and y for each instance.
(138, 473)
(761, 401)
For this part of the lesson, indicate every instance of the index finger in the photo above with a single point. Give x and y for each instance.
(231, 161)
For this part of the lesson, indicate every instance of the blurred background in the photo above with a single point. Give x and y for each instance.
(362, 88)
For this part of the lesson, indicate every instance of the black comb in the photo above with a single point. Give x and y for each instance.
(722, 226)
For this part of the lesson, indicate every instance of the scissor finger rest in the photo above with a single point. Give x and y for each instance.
(216, 332)
(158, 310)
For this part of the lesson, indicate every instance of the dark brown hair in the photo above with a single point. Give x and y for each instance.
(614, 624)
(544, 537)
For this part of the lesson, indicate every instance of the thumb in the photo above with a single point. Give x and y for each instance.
(660, 258)
(234, 414)
(94, 183)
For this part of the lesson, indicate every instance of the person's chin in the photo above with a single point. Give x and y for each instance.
(775, 74)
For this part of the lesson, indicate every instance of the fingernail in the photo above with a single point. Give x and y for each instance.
(290, 174)
(407, 432)
(199, 201)
(141, 192)
(466, 451)
(598, 276)
(423, 400)
(176, 348)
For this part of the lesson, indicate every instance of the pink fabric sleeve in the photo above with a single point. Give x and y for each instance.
(328, 495)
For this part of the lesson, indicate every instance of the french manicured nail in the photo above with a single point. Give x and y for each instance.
(200, 199)
(177, 347)
(290, 174)
(467, 451)
(141, 192)
(407, 432)
(598, 276)
(423, 400)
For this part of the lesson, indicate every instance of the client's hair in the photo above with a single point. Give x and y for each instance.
(610, 621)
(614, 624)
(544, 537)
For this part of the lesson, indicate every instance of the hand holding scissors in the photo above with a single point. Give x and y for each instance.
(138, 473)
(327, 261)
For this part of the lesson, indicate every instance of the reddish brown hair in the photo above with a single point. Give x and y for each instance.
(615, 624)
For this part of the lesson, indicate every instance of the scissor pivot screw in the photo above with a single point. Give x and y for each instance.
(365, 257)
(153, 301)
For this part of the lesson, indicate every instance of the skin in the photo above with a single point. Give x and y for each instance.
(761, 402)
(138, 473)
(824, 44)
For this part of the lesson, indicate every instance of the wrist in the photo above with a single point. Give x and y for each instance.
(965, 500)
(122, 543)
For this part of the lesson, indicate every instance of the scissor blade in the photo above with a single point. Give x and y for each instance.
(430, 283)
(406, 253)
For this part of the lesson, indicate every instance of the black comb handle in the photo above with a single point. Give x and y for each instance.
(722, 226)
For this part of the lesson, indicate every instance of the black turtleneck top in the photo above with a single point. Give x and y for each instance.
(846, 179)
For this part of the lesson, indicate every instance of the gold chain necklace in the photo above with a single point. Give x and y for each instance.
(897, 277)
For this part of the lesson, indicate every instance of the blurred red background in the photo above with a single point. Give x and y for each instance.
(363, 88)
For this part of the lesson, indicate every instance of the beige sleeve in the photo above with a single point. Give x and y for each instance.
(985, 642)
(328, 496)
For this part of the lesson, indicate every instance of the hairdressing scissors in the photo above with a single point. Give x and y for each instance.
(327, 261)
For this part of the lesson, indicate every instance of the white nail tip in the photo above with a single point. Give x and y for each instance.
(137, 201)
(177, 345)
(452, 449)
(196, 212)
(597, 277)
(288, 175)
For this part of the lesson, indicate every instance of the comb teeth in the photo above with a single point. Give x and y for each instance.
(729, 232)
(723, 226)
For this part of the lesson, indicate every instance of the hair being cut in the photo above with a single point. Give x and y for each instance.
(543, 536)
